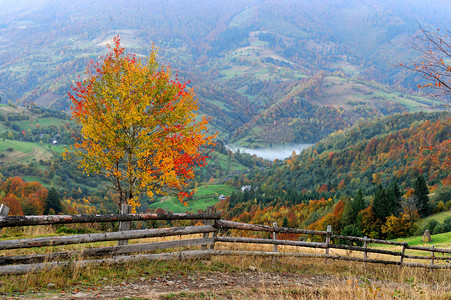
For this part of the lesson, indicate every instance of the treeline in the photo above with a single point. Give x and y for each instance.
(388, 213)
(65, 175)
(31, 198)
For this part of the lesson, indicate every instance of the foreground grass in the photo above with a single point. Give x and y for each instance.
(344, 280)
(341, 280)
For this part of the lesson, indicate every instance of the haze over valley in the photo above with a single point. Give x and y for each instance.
(268, 72)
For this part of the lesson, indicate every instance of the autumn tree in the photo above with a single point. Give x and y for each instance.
(435, 67)
(139, 126)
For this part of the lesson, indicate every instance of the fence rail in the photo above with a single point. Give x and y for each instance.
(16, 221)
(211, 234)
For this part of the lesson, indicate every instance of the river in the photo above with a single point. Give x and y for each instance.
(272, 153)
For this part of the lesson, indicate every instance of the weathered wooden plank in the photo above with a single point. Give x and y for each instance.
(256, 227)
(347, 258)
(363, 249)
(33, 268)
(367, 240)
(428, 249)
(267, 241)
(303, 244)
(14, 221)
(416, 265)
(101, 237)
(103, 251)
(427, 257)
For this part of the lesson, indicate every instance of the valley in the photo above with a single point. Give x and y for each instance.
(317, 114)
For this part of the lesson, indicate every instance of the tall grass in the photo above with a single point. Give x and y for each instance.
(309, 278)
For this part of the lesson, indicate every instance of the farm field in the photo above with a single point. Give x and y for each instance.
(206, 195)
(23, 152)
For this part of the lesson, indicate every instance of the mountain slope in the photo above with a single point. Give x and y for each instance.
(370, 153)
(246, 60)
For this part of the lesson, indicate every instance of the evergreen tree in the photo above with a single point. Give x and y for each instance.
(421, 194)
(285, 222)
(52, 202)
(359, 202)
(352, 209)
(394, 195)
(381, 204)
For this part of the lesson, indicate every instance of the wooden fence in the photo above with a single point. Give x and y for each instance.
(213, 230)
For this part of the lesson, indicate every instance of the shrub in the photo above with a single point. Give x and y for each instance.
(430, 225)
(438, 229)
(447, 224)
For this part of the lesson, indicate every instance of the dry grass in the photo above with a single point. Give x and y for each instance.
(281, 278)
(303, 278)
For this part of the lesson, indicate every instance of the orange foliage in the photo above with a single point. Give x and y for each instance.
(139, 126)
(332, 218)
(23, 197)
(296, 214)
(396, 227)
(15, 209)
(370, 224)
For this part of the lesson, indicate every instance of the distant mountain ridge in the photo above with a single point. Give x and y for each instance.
(246, 60)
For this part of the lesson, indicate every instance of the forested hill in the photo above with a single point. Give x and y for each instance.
(287, 71)
(395, 148)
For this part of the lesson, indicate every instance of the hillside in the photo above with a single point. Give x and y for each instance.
(33, 138)
(289, 72)
(380, 151)
(363, 181)
(369, 153)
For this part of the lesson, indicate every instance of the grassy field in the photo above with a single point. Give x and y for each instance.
(442, 240)
(204, 197)
(23, 147)
(23, 151)
(440, 217)
(338, 91)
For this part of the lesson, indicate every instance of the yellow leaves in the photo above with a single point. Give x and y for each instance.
(138, 125)
(134, 203)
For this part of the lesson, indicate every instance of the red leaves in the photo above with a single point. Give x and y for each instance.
(138, 124)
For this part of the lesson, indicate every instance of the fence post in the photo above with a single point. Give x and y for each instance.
(274, 237)
(432, 255)
(215, 234)
(4, 210)
(365, 245)
(207, 222)
(403, 252)
(329, 233)
(124, 226)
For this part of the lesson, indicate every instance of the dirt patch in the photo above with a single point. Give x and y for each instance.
(249, 284)
(12, 109)
(180, 286)
(37, 153)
